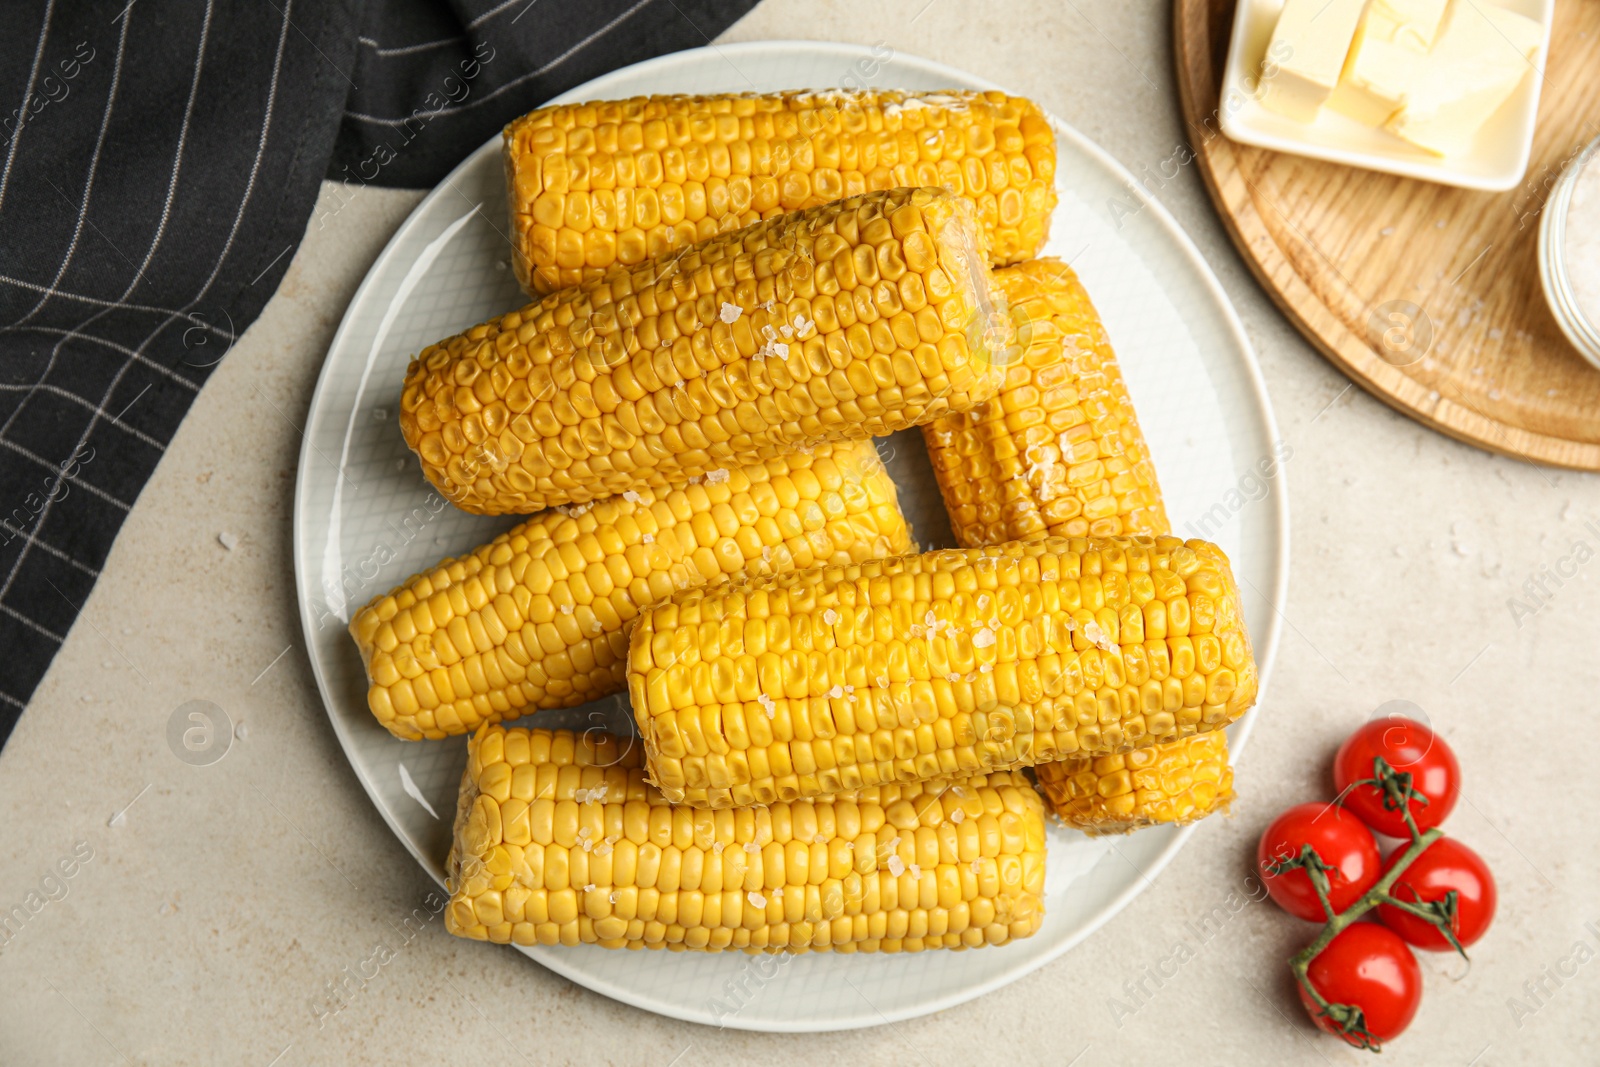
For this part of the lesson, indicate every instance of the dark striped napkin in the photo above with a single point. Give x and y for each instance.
(159, 162)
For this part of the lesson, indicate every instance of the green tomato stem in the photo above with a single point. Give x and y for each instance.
(1300, 963)
(1378, 894)
(1407, 906)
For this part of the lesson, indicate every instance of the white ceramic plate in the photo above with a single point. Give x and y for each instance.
(1499, 156)
(362, 522)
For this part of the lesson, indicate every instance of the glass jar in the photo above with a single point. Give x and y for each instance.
(1571, 288)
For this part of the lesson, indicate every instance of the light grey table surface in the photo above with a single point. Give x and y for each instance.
(220, 902)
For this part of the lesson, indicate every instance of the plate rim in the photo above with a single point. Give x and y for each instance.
(1276, 597)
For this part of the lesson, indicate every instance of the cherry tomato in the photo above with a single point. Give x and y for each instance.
(1368, 967)
(1345, 845)
(1447, 864)
(1411, 748)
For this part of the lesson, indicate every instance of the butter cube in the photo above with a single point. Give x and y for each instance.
(1383, 58)
(1413, 23)
(1307, 54)
(1479, 58)
(1375, 80)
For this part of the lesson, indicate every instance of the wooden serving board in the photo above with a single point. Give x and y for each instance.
(1428, 296)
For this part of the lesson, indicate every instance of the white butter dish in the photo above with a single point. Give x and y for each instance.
(1496, 162)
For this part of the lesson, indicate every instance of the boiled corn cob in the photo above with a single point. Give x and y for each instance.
(599, 184)
(1058, 451)
(560, 839)
(538, 618)
(1175, 783)
(857, 318)
(955, 662)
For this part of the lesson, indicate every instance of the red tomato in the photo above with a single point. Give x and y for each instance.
(1447, 864)
(1411, 748)
(1345, 845)
(1368, 967)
